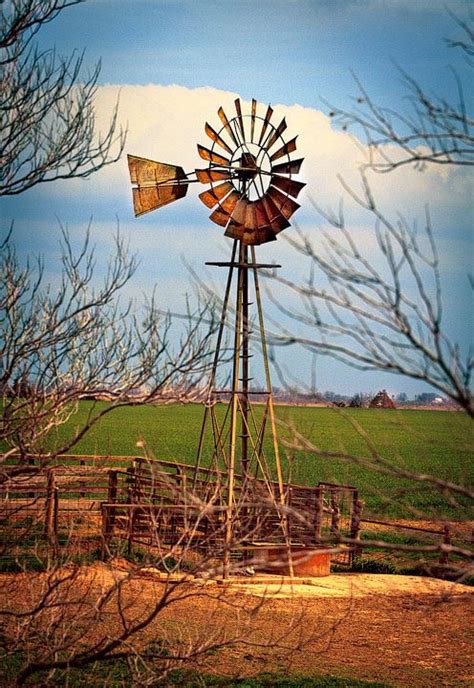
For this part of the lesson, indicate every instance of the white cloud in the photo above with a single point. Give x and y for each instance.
(166, 122)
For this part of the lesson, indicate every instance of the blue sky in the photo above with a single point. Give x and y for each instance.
(174, 62)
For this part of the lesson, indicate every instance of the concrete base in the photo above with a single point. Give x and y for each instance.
(306, 561)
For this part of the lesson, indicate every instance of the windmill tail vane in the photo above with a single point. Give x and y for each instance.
(250, 176)
(157, 184)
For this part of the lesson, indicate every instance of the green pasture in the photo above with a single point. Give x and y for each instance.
(439, 443)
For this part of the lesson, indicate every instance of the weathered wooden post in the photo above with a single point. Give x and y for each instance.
(182, 480)
(444, 556)
(109, 513)
(82, 493)
(51, 511)
(131, 484)
(357, 506)
(132, 499)
(335, 513)
(318, 515)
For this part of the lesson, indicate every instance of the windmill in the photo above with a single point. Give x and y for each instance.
(251, 192)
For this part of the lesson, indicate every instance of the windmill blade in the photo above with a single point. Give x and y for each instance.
(238, 213)
(265, 234)
(277, 221)
(226, 124)
(266, 121)
(208, 176)
(239, 116)
(287, 206)
(250, 237)
(234, 231)
(276, 134)
(229, 203)
(271, 209)
(269, 218)
(207, 154)
(219, 217)
(279, 224)
(263, 219)
(292, 167)
(251, 222)
(237, 231)
(213, 196)
(216, 138)
(221, 214)
(252, 119)
(289, 186)
(288, 148)
(245, 223)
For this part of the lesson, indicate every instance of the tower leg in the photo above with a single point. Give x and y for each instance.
(233, 422)
(281, 495)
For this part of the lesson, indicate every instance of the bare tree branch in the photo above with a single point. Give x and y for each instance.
(434, 131)
(58, 346)
(47, 113)
(388, 317)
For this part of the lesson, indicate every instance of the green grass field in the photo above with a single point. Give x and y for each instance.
(437, 442)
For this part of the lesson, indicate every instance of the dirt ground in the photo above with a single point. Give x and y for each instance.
(402, 630)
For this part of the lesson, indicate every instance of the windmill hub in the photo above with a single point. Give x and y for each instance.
(250, 172)
(248, 166)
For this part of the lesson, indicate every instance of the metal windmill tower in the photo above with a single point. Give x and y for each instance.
(250, 174)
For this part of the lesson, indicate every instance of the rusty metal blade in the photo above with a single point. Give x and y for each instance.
(284, 150)
(250, 238)
(241, 232)
(250, 221)
(268, 116)
(265, 234)
(289, 186)
(229, 203)
(239, 116)
(207, 176)
(292, 167)
(254, 112)
(234, 231)
(287, 206)
(206, 154)
(272, 210)
(279, 224)
(144, 171)
(277, 220)
(215, 137)
(148, 198)
(226, 124)
(263, 219)
(213, 196)
(219, 217)
(276, 134)
(238, 214)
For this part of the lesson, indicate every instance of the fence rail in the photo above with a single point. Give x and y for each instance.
(147, 501)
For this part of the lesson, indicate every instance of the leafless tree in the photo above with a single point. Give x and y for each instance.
(435, 131)
(47, 114)
(74, 341)
(381, 311)
(381, 308)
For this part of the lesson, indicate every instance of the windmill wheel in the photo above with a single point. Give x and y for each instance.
(250, 174)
